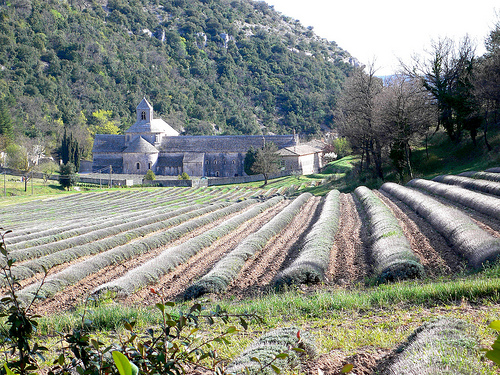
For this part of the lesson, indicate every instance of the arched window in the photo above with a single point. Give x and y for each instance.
(138, 166)
(143, 115)
(234, 162)
(149, 165)
(208, 162)
(215, 161)
(217, 174)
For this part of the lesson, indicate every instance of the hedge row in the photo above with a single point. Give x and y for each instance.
(473, 243)
(80, 270)
(312, 262)
(151, 271)
(391, 252)
(480, 202)
(490, 187)
(270, 345)
(227, 269)
(445, 346)
(30, 268)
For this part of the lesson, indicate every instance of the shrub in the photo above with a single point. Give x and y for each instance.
(391, 251)
(444, 346)
(183, 176)
(283, 348)
(150, 175)
(312, 262)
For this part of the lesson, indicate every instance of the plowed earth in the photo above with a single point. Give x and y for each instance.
(350, 263)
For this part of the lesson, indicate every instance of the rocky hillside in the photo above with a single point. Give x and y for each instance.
(208, 66)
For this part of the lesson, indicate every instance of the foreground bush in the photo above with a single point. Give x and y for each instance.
(312, 262)
(391, 251)
(227, 269)
(284, 348)
(474, 244)
(445, 346)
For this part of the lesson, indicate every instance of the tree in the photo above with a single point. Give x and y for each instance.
(267, 161)
(68, 176)
(102, 123)
(487, 82)
(249, 161)
(69, 150)
(355, 117)
(447, 74)
(404, 113)
(150, 175)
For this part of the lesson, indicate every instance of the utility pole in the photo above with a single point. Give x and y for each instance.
(32, 182)
(110, 171)
(4, 183)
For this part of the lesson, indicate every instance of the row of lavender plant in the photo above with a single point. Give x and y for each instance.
(151, 271)
(59, 230)
(482, 175)
(76, 272)
(390, 249)
(275, 347)
(485, 186)
(73, 209)
(92, 224)
(312, 263)
(480, 202)
(46, 258)
(227, 269)
(473, 243)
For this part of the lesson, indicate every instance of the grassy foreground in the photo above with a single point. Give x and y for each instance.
(365, 319)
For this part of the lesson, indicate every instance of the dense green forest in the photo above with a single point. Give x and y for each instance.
(207, 66)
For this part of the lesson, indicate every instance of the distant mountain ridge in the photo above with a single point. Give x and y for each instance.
(207, 66)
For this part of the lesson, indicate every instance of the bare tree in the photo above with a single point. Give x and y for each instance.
(447, 73)
(355, 116)
(266, 161)
(404, 113)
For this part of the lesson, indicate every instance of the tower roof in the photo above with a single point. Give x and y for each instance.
(140, 146)
(144, 104)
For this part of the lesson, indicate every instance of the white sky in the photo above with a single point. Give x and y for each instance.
(385, 30)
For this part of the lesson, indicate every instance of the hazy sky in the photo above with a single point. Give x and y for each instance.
(386, 30)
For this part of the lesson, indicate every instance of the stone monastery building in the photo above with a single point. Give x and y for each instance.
(153, 144)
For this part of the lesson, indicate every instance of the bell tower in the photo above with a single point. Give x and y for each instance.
(144, 111)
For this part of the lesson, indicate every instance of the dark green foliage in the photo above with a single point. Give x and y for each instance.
(70, 151)
(249, 160)
(68, 176)
(59, 59)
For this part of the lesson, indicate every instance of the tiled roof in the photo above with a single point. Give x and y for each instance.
(170, 160)
(222, 143)
(156, 125)
(109, 143)
(298, 150)
(144, 104)
(140, 146)
(194, 157)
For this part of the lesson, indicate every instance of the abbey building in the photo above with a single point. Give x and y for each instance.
(153, 144)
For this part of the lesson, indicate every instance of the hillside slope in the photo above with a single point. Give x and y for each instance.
(208, 67)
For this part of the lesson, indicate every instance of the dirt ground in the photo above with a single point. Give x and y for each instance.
(350, 263)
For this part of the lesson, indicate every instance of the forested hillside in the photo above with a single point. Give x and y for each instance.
(208, 67)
